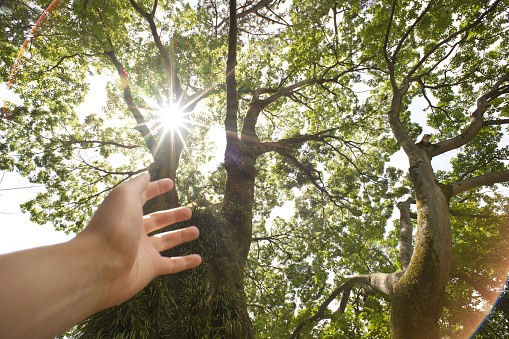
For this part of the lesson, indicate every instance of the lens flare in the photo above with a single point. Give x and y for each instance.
(44, 14)
(172, 118)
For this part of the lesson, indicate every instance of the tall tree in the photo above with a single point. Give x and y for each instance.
(314, 97)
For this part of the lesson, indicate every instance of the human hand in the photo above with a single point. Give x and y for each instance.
(127, 258)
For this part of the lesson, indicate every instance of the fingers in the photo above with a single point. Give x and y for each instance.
(146, 189)
(156, 220)
(178, 264)
(168, 240)
(155, 188)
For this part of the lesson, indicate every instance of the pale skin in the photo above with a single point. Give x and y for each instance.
(46, 290)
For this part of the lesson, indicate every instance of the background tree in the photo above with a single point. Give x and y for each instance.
(318, 96)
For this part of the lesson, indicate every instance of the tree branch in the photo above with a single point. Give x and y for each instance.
(108, 173)
(476, 121)
(308, 171)
(69, 57)
(232, 103)
(141, 124)
(483, 291)
(248, 11)
(405, 238)
(256, 105)
(450, 37)
(496, 122)
(390, 63)
(270, 237)
(283, 144)
(112, 143)
(482, 180)
(407, 33)
(173, 87)
(378, 282)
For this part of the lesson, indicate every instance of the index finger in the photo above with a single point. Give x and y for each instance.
(155, 188)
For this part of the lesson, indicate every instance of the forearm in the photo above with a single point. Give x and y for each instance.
(46, 290)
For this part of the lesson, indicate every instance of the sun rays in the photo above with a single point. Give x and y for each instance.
(172, 118)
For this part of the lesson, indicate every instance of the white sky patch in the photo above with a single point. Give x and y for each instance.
(17, 232)
(216, 138)
(96, 97)
(8, 95)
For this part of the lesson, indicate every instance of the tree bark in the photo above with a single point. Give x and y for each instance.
(405, 238)
(166, 161)
(419, 294)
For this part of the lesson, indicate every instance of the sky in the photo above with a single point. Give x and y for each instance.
(17, 232)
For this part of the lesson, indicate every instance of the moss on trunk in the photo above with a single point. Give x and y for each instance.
(419, 294)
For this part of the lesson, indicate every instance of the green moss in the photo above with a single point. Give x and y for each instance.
(205, 302)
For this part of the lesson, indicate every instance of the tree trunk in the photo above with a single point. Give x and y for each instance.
(208, 301)
(166, 161)
(419, 294)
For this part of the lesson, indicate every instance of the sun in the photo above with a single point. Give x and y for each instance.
(172, 118)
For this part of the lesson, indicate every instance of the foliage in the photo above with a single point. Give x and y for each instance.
(329, 165)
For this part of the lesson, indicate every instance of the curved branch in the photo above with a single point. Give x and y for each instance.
(257, 106)
(283, 144)
(377, 282)
(476, 121)
(482, 180)
(141, 124)
(319, 81)
(405, 237)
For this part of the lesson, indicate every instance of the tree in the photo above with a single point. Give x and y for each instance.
(318, 96)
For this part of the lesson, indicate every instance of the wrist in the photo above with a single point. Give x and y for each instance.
(95, 269)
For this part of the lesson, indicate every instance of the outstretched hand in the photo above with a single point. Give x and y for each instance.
(48, 289)
(129, 258)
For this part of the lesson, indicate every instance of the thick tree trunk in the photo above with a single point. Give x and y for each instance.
(209, 301)
(239, 198)
(419, 294)
(237, 209)
(166, 161)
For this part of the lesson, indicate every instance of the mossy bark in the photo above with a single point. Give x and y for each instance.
(419, 294)
(209, 301)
